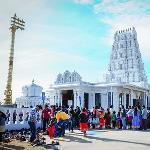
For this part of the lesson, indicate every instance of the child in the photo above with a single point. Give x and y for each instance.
(51, 128)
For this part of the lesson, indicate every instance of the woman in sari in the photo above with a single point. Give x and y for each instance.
(136, 119)
(83, 121)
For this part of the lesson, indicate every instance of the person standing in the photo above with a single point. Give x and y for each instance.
(46, 117)
(71, 119)
(14, 116)
(113, 119)
(148, 118)
(2, 124)
(102, 118)
(108, 119)
(144, 118)
(123, 118)
(129, 117)
(83, 121)
(136, 119)
(119, 121)
(32, 122)
(77, 113)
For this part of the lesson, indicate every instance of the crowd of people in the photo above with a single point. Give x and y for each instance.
(56, 119)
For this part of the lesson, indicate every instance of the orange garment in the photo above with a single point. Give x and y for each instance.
(61, 116)
(102, 119)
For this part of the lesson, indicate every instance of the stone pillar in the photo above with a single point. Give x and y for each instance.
(75, 93)
(104, 100)
(60, 98)
(54, 99)
(81, 99)
(111, 90)
(125, 99)
(116, 101)
(57, 100)
(145, 101)
(132, 97)
(91, 100)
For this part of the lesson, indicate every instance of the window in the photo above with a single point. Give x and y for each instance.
(98, 99)
(148, 102)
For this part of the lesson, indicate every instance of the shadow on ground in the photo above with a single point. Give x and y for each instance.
(116, 140)
(73, 138)
(11, 147)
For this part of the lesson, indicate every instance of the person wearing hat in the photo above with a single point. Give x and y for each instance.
(2, 123)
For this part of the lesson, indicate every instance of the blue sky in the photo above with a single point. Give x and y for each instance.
(67, 35)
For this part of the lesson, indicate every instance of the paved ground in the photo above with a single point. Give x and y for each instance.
(105, 140)
(95, 140)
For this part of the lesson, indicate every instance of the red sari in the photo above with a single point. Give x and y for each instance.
(102, 119)
(51, 131)
(83, 121)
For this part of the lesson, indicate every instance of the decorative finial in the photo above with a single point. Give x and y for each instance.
(33, 81)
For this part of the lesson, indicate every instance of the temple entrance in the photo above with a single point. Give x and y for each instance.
(67, 98)
(86, 100)
(137, 102)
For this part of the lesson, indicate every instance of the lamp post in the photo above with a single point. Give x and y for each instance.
(16, 23)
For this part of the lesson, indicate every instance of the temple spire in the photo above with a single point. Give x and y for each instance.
(126, 62)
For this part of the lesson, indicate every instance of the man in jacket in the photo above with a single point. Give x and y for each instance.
(46, 117)
(32, 122)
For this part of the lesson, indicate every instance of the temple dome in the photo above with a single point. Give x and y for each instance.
(32, 90)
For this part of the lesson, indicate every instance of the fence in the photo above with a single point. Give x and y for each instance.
(17, 118)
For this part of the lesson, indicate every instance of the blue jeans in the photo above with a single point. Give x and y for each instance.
(123, 119)
(33, 131)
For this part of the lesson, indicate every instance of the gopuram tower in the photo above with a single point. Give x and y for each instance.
(125, 61)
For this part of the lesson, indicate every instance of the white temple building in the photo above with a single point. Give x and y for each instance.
(125, 83)
(32, 96)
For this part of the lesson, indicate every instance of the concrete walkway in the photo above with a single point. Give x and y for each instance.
(104, 139)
